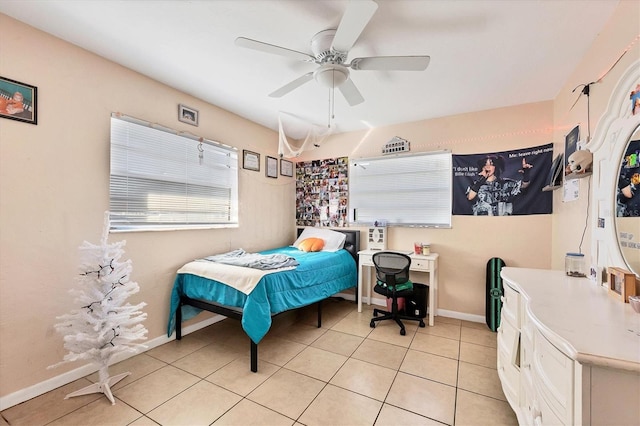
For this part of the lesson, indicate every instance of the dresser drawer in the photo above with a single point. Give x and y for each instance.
(509, 342)
(508, 360)
(542, 414)
(526, 323)
(527, 396)
(365, 260)
(509, 376)
(510, 305)
(553, 377)
(421, 265)
(526, 352)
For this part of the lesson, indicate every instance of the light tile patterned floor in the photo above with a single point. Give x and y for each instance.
(344, 373)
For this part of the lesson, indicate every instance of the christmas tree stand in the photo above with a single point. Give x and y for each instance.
(104, 386)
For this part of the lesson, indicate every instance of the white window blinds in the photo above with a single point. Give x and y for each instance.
(162, 180)
(410, 190)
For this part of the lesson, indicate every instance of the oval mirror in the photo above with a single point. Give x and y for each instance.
(628, 203)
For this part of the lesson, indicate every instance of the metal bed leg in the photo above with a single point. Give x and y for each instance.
(320, 314)
(179, 322)
(254, 357)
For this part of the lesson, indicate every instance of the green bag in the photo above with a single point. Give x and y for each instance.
(399, 287)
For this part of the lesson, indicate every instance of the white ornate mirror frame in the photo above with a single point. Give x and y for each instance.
(608, 146)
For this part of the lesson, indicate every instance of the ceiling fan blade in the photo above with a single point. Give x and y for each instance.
(292, 85)
(271, 48)
(351, 92)
(391, 63)
(355, 18)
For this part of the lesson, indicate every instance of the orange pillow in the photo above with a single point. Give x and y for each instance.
(311, 244)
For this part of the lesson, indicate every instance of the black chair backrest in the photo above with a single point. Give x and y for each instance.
(392, 268)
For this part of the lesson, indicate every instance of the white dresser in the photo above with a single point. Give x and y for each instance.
(568, 353)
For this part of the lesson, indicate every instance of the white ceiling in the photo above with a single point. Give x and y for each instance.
(484, 54)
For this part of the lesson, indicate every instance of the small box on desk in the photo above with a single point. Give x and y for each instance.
(377, 238)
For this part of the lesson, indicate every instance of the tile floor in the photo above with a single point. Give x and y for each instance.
(344, 373)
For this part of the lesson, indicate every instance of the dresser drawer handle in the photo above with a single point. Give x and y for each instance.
(537, 414)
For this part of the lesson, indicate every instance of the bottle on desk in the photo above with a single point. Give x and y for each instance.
(422, 248)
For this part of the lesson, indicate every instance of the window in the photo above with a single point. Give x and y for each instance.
(163, 180)
(410, 190)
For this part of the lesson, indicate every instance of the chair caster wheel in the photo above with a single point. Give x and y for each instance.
(402, 332)
(372, 324)
(422, 324)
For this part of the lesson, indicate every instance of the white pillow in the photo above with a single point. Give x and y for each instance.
(333, 241)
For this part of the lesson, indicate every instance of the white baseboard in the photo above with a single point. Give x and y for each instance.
(461, 316)
(440, 312)
(55, 382)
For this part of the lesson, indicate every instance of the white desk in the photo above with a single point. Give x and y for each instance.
(419, 263)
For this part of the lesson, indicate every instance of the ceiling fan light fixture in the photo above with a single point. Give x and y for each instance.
(331, 76)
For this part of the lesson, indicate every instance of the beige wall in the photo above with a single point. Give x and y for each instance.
(465, 248)
(54, 187)
(621, 32)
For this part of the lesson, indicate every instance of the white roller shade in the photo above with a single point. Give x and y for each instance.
(411, 190)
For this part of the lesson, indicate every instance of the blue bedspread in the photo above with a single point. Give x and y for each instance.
(318, 276)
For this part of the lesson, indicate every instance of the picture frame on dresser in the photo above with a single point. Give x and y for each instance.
(621, 283)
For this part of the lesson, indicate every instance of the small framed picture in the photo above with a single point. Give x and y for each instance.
(286, 168)
(271, 167)
(188, 115)
(621, 283)
(18, 101)
(250, 160)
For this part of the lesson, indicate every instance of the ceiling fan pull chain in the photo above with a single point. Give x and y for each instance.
(329, 112)
(333, 96)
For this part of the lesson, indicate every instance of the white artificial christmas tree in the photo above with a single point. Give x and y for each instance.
(105, 325)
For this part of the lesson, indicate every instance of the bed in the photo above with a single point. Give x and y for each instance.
(318, 276)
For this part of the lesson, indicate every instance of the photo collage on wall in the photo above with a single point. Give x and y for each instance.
(322, 192)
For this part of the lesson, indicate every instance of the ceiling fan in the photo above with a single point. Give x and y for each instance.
(330, 50)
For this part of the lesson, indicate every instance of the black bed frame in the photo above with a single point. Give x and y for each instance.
(351, 244)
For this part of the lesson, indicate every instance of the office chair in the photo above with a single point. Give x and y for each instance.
(392, 273)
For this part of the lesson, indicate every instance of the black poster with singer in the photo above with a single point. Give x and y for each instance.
(503, 183)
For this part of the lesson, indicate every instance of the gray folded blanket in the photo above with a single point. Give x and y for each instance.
(240, 257)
